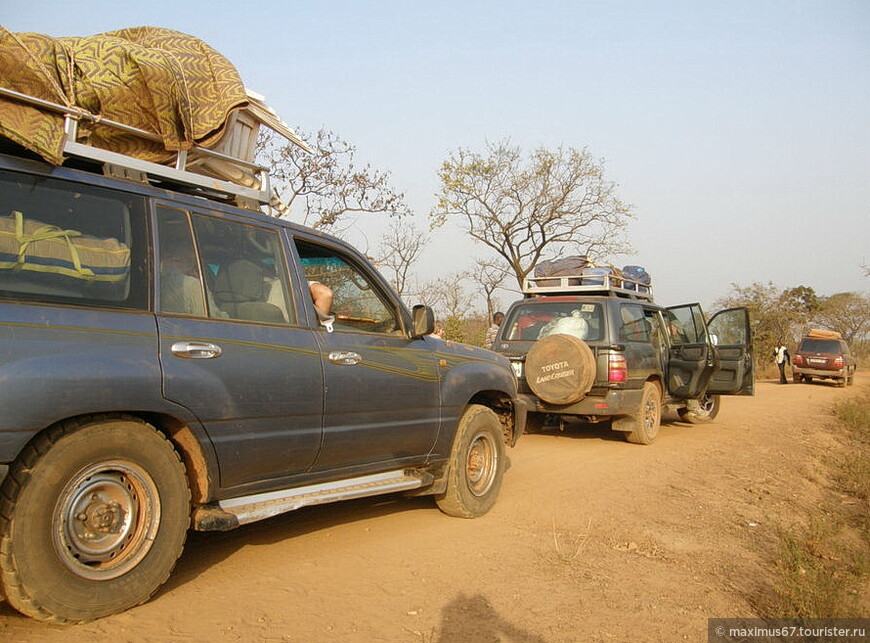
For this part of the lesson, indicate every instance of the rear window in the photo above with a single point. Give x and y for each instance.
(820, 346)
(65, 242)
(584, 320)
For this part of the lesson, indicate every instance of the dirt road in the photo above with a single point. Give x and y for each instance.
(592, 539)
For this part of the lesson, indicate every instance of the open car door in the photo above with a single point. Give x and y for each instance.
(713, 358)
(692, 358)
(729, 332)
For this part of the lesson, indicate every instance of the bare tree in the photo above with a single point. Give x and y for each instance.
(448, 296)
(399, 249)
(323, 187)
(489, 276)
(554, 200)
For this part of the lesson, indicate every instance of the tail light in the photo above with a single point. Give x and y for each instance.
(617, 369)
(798, 360)
(839, 362)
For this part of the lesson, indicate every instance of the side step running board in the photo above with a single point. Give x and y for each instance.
(233, 512)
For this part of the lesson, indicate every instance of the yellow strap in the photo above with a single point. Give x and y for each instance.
(47, 233)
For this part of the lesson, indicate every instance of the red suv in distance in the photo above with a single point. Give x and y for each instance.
(825, 355)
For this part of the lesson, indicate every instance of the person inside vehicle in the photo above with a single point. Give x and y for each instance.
(180, 287)
(322, 297)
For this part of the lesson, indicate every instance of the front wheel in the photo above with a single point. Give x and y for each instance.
(95, 516)
(476, 466)
(700, 411)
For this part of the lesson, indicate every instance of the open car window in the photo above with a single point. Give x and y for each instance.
(358, 304)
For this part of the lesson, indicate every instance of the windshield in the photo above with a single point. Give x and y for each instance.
(584, 320)
(820, 346)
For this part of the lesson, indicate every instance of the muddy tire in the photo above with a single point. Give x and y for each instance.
(851, 379)
(643, 428)
(797, 379)
(477, 465)
(701, 411)
(560, 369)
(94, 516)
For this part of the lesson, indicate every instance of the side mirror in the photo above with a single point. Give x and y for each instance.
(424, 321)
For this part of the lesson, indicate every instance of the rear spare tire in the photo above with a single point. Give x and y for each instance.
(560, 369)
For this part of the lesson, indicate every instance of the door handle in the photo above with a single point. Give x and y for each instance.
(345, 358)
(196, 350)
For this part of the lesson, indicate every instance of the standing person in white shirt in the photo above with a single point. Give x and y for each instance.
(780, 354)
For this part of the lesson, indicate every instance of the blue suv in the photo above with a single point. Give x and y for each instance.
(163, 367)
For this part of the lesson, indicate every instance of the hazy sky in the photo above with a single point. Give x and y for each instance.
(740, 131)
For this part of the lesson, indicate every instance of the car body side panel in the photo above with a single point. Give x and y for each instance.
(261, 400)
(62, 361)
(385, 407)
(465, 372)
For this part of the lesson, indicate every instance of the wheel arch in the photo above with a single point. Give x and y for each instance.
(194, 450)
(512, 418)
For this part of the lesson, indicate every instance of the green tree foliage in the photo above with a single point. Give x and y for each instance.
(777, 316)
(523, 206)
(454, 329)
(847, 313)
(786, 315)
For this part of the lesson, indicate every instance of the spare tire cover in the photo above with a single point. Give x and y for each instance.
(560, 369)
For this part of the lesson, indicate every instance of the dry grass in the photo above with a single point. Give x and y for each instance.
(569, 545)
(823, 568)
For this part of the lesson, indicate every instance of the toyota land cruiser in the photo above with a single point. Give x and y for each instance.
(162, 367)
(600, 349)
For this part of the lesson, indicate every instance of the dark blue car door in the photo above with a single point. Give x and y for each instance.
(252, 377)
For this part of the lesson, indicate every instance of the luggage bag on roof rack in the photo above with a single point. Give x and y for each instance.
(567, 266)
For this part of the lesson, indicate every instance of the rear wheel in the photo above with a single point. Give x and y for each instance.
(702, 410)
(95, 515)
(477, 464)
(643, 427)
(797, 378)
(851, 379)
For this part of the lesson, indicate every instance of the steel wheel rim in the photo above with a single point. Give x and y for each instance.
(106, 520)
(481, 462)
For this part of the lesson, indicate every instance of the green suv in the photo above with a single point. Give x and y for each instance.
(604, 351)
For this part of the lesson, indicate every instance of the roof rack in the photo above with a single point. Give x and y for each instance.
(588, 284)
(257, 188)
